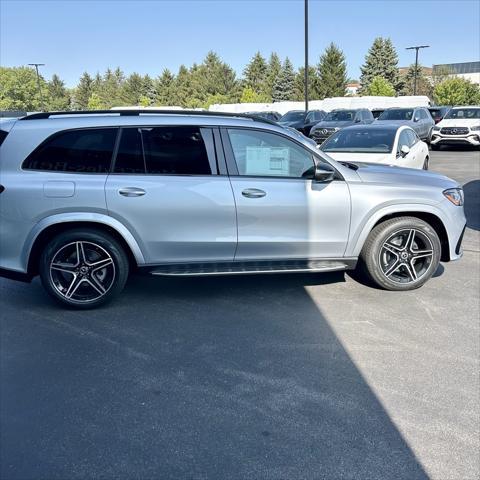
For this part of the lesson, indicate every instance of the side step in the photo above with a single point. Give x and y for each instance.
(236, 268)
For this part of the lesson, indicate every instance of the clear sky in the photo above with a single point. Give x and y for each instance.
(72, 36)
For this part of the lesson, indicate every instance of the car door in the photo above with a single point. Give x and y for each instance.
(165, 189)
(416, 156)
(281, 212)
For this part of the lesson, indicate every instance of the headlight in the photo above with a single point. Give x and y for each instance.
(476, 127)
(336, 129)
(436, 129)
(455, 195)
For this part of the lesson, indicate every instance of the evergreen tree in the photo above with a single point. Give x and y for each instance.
(284, 86)
(255, 74)
(83, 92)
(148, 91)
(424, 86)
(183, 90)
(165, 89)
(110, 89)
(273, 71)
(332, 72)
(95, 102)
(59, 98)
(380, 61)
(132, 90)
(313, 84)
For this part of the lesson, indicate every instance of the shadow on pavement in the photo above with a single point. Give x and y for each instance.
(234, 377)
(472, 204)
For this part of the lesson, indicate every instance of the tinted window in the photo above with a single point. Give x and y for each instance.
(162, 151)
(87, 151)
(411, 137)
(403, 140)
(397, 114)
(3, 136)
(340, 116)
(463, 113)
(293, 116)
(266, 154)
(371, 140)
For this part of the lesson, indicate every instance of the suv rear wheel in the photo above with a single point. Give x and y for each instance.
(83, 268)
(401, 253)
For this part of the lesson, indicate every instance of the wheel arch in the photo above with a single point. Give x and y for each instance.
(46, 230)
(429, 217)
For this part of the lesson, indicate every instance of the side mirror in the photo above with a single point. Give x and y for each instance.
(323, 173)
(358, 120)
(416, 119)
(405, 150)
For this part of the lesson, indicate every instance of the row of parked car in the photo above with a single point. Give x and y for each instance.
(398, 136)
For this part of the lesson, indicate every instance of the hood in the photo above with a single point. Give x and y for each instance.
(362, 157)
(375, 173)
(333, 124)
(458, 122)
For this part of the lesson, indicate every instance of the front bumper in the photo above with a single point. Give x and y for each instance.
(455, 224)
(321, 135)
(471, 138)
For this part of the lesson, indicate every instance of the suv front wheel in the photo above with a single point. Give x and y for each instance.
(83, 268)
(401, 253)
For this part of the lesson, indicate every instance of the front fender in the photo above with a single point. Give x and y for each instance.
(91, 218)
(361, 232)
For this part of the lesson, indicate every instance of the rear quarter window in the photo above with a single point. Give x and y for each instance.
(77, 151)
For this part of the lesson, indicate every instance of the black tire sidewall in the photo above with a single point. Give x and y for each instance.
(107, 242)
(370, 253)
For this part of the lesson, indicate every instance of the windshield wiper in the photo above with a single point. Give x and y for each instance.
(351, 166)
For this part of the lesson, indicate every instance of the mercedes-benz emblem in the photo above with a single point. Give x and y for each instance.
(454, 131)
(324, 131)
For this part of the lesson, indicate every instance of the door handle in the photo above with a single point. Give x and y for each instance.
(132, 192)
(253, 193)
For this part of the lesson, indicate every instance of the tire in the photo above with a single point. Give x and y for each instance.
(426, 163)
(83, 268)
(396, 246)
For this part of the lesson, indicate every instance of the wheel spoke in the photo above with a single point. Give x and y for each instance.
(81, 257)
(411, 270)
(410, 240)
(422, 253)
(95, 283)
(101, 264)
(390, 247)
(73, 286)
(393, 268)
(64, 267)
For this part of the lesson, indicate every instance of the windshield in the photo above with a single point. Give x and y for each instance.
(397, 114)
(368, 140)
(464, 113)
(293, 116)
(340, 116)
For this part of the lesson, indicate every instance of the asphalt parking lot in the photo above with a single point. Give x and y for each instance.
(265, 377)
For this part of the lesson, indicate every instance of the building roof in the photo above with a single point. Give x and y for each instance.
(459, 68)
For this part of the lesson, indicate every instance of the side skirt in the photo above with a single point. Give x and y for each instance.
(253, 267)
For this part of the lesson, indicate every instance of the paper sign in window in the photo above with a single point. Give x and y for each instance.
(267, 161)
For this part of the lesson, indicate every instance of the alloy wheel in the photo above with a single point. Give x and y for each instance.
(406, 256)
(82, 271)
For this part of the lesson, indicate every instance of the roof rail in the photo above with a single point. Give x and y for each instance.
(132, 113)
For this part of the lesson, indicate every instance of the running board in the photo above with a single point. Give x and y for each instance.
(236, 268)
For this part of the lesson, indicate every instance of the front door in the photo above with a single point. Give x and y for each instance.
(165, 189)
(282, 213)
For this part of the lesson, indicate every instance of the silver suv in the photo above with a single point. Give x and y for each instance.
(87, 197)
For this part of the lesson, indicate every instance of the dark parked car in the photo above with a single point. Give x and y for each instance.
(438, 113)
(273, 116)
(338, 119)
(418, 118)
(301, 120)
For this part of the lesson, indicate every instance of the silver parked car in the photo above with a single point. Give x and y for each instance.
(418, 118)
(88, 197)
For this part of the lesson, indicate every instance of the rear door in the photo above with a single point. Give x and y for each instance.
(166, 189)
(282, 213)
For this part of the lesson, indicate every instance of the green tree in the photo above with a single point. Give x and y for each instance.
(95, 102)
(380, 61)
(457, 91)
(83, 92)
(19, 89)
(183, 89)
(59, 98)
(249, 95)
(273, 71)
(148, 91)
(110, 88)
(132, 90)
(313, 84)
(255, 74)
(424, 86)
(165, 88)
(284, 86)
(332, 72)
(379, 87)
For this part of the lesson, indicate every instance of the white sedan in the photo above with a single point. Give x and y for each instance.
(388, 144)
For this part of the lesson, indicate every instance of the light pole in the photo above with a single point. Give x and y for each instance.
(36, 65)
(306, 55)
(416, 48)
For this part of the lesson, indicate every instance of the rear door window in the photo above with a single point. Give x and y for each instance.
(166, 151)
(75, 151)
